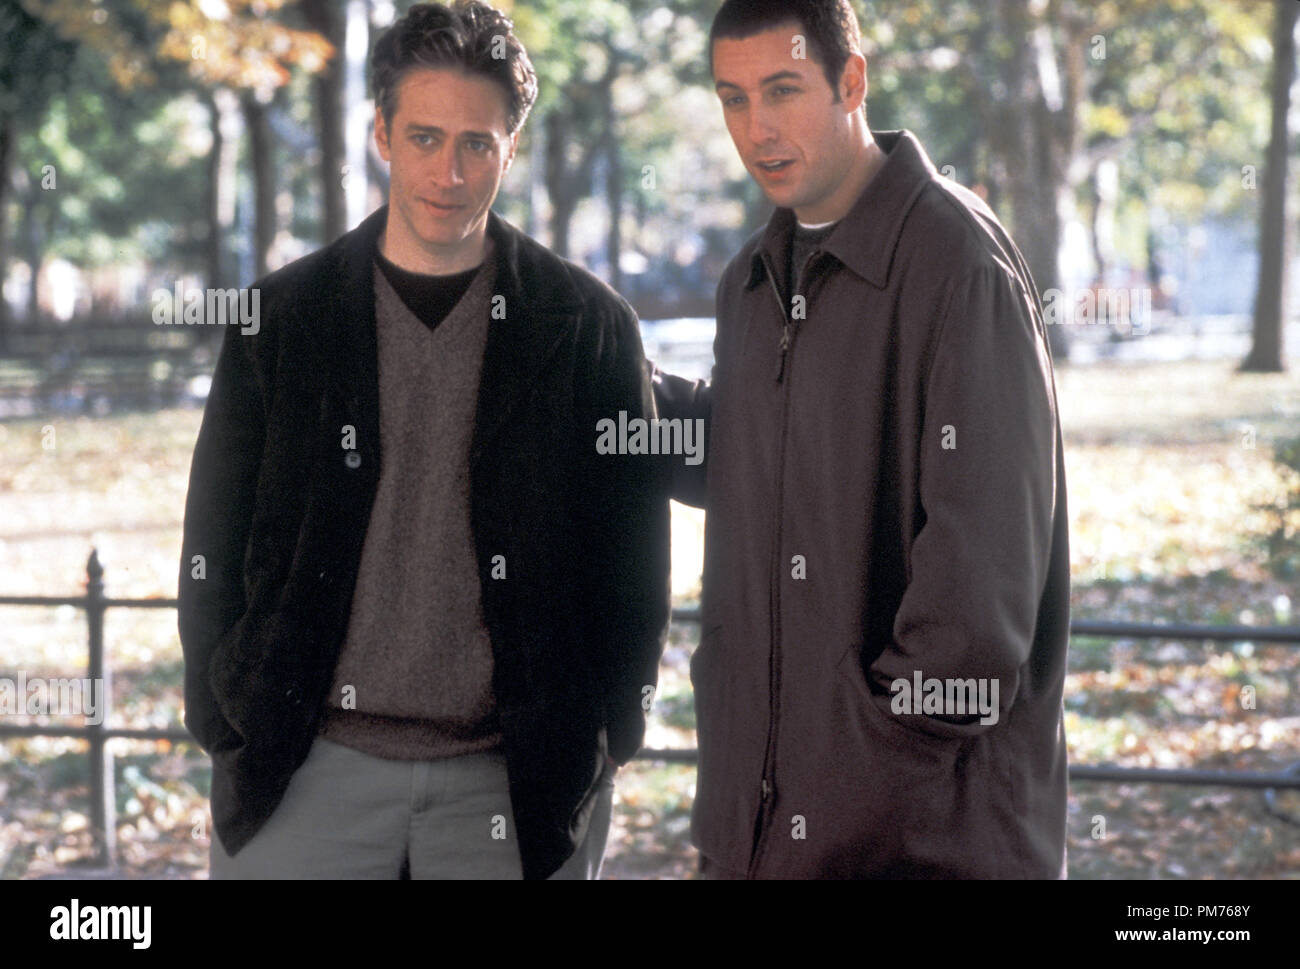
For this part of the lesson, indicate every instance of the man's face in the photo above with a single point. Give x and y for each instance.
(448, 149)
(790, 132)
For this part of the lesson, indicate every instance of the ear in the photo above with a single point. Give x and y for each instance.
(381, 135)
(514, 145)
(853, 82)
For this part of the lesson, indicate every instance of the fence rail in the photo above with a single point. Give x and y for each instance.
(103, 806)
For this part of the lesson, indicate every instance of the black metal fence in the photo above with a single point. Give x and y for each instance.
(103, 806)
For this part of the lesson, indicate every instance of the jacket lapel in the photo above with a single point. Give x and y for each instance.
(536, 308)
(535, 318)
(355, 368)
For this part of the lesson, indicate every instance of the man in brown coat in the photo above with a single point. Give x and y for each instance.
(886, 583)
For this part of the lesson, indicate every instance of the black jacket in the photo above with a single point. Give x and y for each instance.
(277, 510)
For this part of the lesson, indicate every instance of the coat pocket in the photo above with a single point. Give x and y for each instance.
(881, 717)
(224, 674)
(934, 805)
(255, 682)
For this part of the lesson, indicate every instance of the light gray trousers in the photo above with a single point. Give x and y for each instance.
(347, 814)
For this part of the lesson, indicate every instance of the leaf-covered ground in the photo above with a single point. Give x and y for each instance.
(1165, 465)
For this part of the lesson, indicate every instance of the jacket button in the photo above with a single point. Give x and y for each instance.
(765, 788)
(353, 459)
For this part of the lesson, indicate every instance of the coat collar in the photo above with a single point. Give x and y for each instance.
(537, 295)
(865, 239)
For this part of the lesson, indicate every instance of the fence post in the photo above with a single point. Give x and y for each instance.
(103, 795)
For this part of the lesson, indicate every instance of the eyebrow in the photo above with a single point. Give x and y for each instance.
(778, 76)
(430, 129)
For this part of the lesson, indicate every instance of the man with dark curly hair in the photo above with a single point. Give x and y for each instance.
(419, 609)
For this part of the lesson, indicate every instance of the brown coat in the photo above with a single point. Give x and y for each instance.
(890, 508)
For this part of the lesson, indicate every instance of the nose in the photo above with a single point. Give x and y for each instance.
(760, 129)
(446, 168)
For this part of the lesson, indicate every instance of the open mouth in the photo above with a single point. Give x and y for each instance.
(775, 166)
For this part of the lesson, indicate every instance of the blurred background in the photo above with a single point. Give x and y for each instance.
(1138, 151)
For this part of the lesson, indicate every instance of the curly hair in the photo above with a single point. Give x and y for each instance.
(470, 36)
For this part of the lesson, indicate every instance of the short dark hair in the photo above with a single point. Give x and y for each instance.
(469, 35)
(829, 26)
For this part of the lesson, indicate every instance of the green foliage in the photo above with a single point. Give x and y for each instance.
(1177, 100)
(1173, 91)
(118, 164)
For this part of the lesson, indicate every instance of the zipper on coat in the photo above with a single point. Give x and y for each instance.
(787, 326)
(766, 785)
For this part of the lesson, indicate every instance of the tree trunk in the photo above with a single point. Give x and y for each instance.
(8, 139)
(324, 17)
(564, 200)
(213, 197)
(586, 118)
(1271, 296)
(260, 161)
(562, 210)
(1034, 141)
(536, 179)
(34, 237)
(614, 200)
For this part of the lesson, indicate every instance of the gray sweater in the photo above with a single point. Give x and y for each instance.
(417, 657)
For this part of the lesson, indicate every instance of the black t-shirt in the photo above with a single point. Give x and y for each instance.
(429, 297)
(801, 247)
